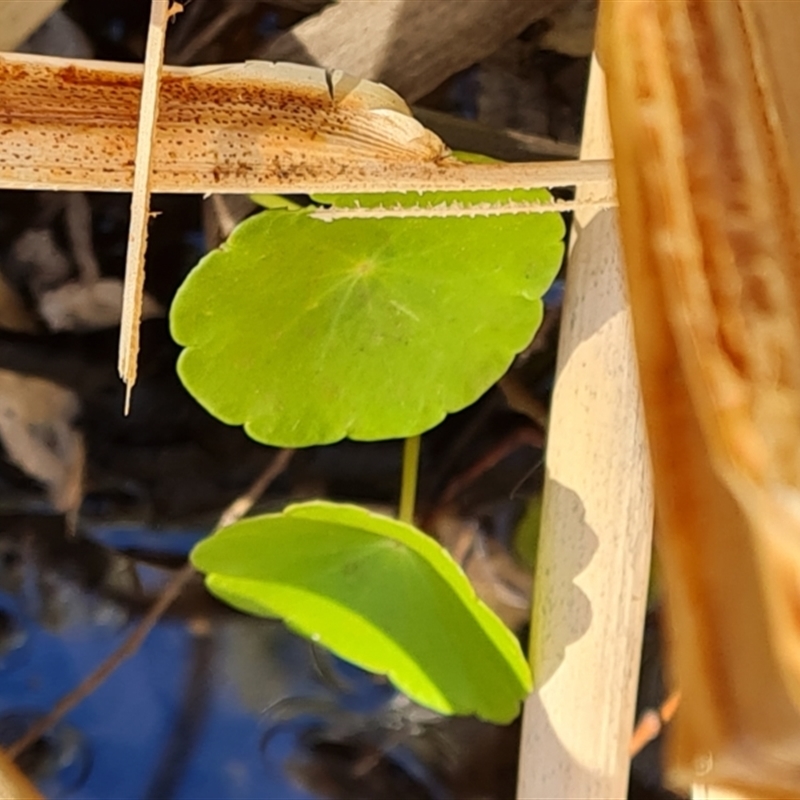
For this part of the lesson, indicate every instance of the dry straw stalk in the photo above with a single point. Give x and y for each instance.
(704, 115)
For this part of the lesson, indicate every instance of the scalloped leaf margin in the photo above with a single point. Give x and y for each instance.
(307, 332)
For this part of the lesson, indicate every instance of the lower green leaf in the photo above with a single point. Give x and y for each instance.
(378, 593)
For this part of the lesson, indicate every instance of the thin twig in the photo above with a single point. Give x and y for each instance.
(652, 722)
(239, 507)
(140, 202)
(168, 595)
(520, 437)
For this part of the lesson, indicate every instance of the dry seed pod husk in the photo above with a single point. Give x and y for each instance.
(705, 129)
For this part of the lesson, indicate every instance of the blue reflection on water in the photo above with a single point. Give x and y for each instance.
(212, 709)
(113, 745)
(127, 722)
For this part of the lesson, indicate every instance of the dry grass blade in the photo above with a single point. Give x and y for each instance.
(252, 127)
(706, 167)
(140, 202)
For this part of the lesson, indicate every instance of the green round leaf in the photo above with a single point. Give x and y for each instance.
(274, 201)
(378, 593)
(307, 332)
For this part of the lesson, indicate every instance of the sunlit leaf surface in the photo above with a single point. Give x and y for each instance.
(306, 332)
(378, 593)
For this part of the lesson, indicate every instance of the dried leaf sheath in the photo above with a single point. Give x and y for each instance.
(713, 257)
(219, 120)
(253, 127)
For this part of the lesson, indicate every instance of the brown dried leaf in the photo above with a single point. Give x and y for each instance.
(20, 20)
(36, 428)
(411, 46)
(88, 306)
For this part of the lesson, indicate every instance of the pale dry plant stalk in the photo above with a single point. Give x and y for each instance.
(133, 294)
